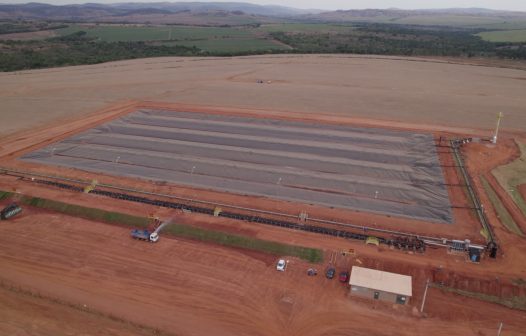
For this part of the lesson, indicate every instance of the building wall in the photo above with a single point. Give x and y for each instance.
(383, 296)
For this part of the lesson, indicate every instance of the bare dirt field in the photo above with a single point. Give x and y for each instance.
(184, 288)
(26, 313)
(41, 34)
(413, 90)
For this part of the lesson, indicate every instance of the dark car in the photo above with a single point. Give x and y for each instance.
(312, 272)
(330, 273)
(344, 276)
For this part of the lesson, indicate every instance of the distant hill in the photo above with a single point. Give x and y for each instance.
(449, 17)
(200, 7)
(239, 13)
(150, 11)
(46, 11)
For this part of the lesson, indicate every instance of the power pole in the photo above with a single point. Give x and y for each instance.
(425, 295)
(495, 136)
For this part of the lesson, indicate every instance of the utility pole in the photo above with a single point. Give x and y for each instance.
(495, 136)
(425, 295)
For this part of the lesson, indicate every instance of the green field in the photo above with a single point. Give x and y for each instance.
(231, 45)
(518, 35)
(209, 39)
(120, 33)
(306, 28)
(116, 33)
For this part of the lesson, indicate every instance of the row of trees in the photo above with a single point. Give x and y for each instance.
(77, 49)
(380, 39)
(384, 39)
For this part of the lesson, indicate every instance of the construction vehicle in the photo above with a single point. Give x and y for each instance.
(10, 211)
(140, 234)
(147, 235)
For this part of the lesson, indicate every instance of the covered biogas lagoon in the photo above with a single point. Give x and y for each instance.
(373, 170)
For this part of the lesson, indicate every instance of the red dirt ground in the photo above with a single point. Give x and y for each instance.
(26, 314)
(188, 288)
(432, 259)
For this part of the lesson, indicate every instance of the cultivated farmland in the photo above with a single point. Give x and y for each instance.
(210, 39)
(518, 35)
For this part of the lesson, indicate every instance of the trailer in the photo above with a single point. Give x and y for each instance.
(10, 211)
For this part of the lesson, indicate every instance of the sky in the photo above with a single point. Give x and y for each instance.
(518, 5)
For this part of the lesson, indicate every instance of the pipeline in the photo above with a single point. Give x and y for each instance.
(226, 214)
(22, 174)
(399, 239)
(10, 211)
(237, 216)
(492, 244)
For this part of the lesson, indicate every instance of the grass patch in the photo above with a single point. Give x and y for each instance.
(87, 213)
(501, 210)
(5, 194)
(514, 302)
(306, 28)
(218, 237)
(208, 39)
(516, 35)
(227, 239)
(511, 176)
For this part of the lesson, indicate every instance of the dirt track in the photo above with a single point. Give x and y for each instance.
(413, 90)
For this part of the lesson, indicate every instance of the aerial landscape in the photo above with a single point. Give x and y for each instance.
(223, 168)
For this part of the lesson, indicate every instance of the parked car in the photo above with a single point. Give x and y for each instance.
(330, 273)
(282, 264)
(344, 276)
(312, 272)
